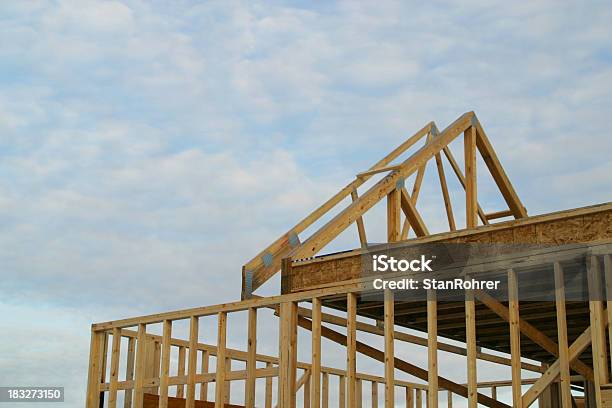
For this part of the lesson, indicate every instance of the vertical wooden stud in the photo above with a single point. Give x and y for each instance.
(374, 394)
(228, 384)
(205, 368)
(316, 353)
(221, 354)
(114, 373)
(393, 215)
(445, 195)
(432, 348)
(268, 400)
(419, 398)
(165, 364)
(515, 338)
(389, 319)
(470, 336)
(140, 365)
(342, 392)
(360, 225)
(307, 385)
(598, 339)
(129, 371)
(182, 358)
(251, 359)
(287, 355)
(471, 203)
(409, 397)
(96, 356)
(325, 391)
(193, 361)
(565, 385)
(351, 347)
(608, 277)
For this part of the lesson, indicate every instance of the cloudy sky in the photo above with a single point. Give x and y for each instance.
(149, 149)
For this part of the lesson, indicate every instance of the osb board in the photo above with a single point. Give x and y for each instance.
(151, 401)
(574, 226)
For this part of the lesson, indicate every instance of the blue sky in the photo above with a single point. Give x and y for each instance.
(168, 143)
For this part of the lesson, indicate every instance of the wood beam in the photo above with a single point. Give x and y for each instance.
(412, 214)
(205, 369)
(531, 332)
(421, 341)
(409, 397)
(363, 240)
(598, 340)
(346, 217)
(182, 358)
(165, 364)
(497, 171)
(193, 361)
(140, 365)
(114, 373)
(471, 202)
(515, 338)
(565, 384)
(374, 385)
(94, 377)
(129, 371)
(499, 214)
(416, 189)
(316, 352)
(400, 364)
(608, 277)
(288, 355)
(472, 351)
(461, 178)
(393, 216)
(351, 357)
(432, 348)
(445, 194)
(281, 248)
(342, 392)
(389, 353)
(268, 397)
(379, 170)
(325, 391)
(220, 374)
(251, 364)
(578, 346)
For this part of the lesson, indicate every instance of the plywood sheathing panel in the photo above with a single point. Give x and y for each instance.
(581, 225)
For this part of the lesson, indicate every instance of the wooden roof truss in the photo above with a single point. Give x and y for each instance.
(399, 201)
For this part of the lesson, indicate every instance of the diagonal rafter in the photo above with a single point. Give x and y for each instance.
(531, 332)
(267, 263)
(400, 364)
(578, 346)
(416, 188)
(461, 178)
(258, 270)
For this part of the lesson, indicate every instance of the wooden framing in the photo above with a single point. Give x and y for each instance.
(261, 268)
(472, 353)
(515, 338)
(432, 348)
(475, 320)
(564, 366)
(389, 350)
(471, 203)
(285, 367)
(351, 353)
